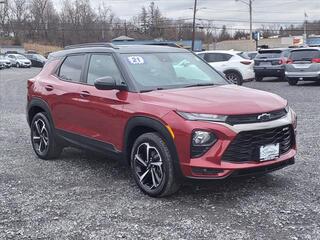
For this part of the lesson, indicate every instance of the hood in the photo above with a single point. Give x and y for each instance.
(4, 61)
(222, 100)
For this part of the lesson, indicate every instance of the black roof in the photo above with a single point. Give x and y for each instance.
(107, 47)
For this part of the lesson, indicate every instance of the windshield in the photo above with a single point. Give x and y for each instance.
(153, 71)
(263, 55)
(20, 57)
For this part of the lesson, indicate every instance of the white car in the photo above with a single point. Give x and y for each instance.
(6, 63)
(236, 66)
(19, 60)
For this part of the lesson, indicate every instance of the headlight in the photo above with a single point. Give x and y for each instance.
(203, 117)
(201, 142)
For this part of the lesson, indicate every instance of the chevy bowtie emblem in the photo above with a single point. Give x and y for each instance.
(264, 117)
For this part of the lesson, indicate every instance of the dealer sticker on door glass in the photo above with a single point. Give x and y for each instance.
(269, 152)
(136, 60)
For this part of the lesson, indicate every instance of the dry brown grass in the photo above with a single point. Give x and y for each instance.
(41, 48)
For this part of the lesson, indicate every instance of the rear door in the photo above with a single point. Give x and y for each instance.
(62, 92)
(304, 60)
(218, 60)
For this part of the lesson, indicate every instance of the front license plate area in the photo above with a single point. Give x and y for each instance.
(269, 152)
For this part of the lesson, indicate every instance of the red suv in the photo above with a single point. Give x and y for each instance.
(162, 109)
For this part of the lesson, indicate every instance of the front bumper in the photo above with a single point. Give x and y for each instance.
(211, 165)
(22, 64)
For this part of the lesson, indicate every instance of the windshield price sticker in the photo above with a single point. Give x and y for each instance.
(136, 60)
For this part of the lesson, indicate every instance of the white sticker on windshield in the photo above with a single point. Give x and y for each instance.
(136, 60)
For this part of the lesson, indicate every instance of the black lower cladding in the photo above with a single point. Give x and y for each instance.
(246, 146)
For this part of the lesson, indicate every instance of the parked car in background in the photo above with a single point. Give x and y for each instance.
(236, 66)
(37, 60)
(271, 63)
(303, 65)
(5, 61)
(251, 54)
(19, 60)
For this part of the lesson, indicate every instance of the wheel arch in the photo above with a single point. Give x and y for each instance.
(35, 106)
(233, 70)
(139, 125)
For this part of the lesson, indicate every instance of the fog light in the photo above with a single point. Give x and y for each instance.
(201, 142)
(203, 138)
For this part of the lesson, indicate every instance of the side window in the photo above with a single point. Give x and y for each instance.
(102, 65)
(226, 57)
(211, 57)
(71, 68)
(217, 57)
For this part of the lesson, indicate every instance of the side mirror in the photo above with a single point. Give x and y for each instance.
(108, 83)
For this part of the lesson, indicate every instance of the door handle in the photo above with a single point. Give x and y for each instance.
(49, 87)
(84, 94)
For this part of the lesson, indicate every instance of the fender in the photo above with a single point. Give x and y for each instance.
(157, 126)
(38, 102)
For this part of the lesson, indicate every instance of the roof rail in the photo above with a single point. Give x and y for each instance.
(86, 45)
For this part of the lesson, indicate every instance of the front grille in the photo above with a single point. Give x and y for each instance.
(246, 146)
(254, 118)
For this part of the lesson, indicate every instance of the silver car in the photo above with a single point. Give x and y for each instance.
(303, 65)
(19, 60)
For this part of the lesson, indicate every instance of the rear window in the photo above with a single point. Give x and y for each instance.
(302, 55)
(269, 54)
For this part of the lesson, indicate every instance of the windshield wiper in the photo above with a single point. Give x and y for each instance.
(199, 85)
(151, 90)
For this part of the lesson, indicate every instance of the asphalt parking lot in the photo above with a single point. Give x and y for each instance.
(87, 197)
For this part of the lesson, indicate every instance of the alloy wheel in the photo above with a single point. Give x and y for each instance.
(233, 77)
(40, 137)
(148, 166)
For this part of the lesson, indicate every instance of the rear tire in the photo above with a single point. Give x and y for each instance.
(152, 166)
(43, 139)
(234, 77)
(292, 82)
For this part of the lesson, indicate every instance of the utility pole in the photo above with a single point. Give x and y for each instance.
(194, 24)
(249, 3)
(305, 35)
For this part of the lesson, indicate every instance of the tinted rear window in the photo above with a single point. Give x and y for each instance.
(304, 55)
(269, 54)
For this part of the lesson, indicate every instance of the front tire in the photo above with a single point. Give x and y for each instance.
(44, 143)
(152, 166)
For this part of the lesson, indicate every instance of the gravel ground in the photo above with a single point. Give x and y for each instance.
(85, 197)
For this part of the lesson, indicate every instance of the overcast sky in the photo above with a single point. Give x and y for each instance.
(229, 12)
